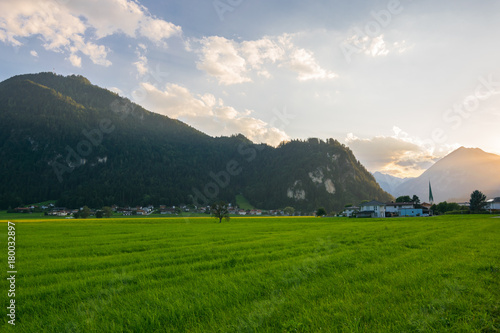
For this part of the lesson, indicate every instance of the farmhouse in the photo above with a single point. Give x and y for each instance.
(23, 210)
(349, 211)
(493, 205)
(402, 209)
(372, 209)
(391, 209)
(394, 208)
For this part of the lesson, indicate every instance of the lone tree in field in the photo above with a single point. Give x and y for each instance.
(220, 211)
(477, 201)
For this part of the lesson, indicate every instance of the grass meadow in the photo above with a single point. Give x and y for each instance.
(438, 274)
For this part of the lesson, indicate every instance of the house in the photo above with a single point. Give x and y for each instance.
(242, 212)
(372, 209)
(493, 205)
(426, 208)
(395, 208)
(350, 211)
(411, 212)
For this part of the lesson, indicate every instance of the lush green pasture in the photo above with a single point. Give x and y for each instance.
(439, 274)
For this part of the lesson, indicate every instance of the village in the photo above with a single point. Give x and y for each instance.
(366, 209)
(52, 210)
(409, 209)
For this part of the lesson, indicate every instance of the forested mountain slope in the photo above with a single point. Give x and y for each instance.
(64, 138)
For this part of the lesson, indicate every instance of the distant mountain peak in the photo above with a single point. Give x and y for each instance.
(456, 175)
(387, 182)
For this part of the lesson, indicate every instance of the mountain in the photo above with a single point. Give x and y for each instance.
(389, 183)
(64, 138)
(456, 176)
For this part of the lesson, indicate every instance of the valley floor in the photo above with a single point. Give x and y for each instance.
(439, 274)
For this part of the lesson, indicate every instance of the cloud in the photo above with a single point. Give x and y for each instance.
(74, 26)
(116, 90)
(371, 46)
(377, 47)
(302, 62)
(75, 60)
(398, 155)
(258, 52)
(142, 63)
(209, 114)
(220, 59)
(34, 53)
(232, 62)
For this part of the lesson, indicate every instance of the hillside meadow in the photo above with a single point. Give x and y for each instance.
(438, 274)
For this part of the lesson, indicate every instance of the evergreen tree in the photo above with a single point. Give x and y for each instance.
(477, 201)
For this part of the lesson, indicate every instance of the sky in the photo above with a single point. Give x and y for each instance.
(402, 83)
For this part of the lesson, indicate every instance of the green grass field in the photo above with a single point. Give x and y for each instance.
(439, 274)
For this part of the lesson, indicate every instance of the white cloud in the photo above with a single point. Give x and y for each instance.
(303, 62)
(141, 65)
(372, 46)
(71, 26)
(259, 51)
(75, 60)
(377, 47)
(158, 30)
(232, 62)
(34, 53)
(116, 90)
(220, 59)
(399, 155)
(142, 61)
(209, 114)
